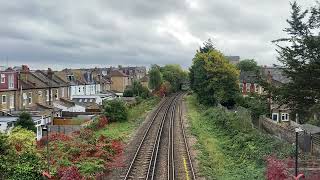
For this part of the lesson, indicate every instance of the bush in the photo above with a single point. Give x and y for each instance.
(22, 140)
(25, 121)
(69, 173)
(4, 145)
(115, 110)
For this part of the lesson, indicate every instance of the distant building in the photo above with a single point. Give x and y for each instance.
(119, 80)
(233, 59)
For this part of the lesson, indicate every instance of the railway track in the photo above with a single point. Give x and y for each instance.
(163, 152)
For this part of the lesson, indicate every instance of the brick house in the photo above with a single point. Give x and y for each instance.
(119, 81)
(8, 88)
(249, 84)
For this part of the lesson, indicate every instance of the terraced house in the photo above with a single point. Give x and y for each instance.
(8, 89)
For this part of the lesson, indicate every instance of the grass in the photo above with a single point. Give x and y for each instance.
(231, 152)
(136, 115)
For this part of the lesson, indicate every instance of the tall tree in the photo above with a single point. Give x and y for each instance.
(175, 75)
(214, 79)
(155, 78)
(299, 54)
(25, 121)
(248, 65)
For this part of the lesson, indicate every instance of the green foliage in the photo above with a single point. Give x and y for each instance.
(115, 110)
(22, 140)
(248, 65)
(4, 145)
(25, 121)
(19, 158)
(155, 79)
(175, 75)
(299, 55)
(137, 90)
(207, 46)
(91, 166)
(229, 147)
(214, 79)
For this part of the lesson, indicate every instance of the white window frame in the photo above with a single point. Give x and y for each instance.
(30, 98)
(47, 95)
(3, 78)
(57, 94)
(10, 81)
(256, 88)
(62, 92)
(4, 97)
(277, 114)
(11, 102)
(248, 87)
(24, 97)
(284, 117)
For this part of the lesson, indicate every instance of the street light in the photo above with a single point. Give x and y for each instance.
(297, 130)
(46, 129)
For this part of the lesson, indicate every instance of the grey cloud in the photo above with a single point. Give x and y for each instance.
(66, 33)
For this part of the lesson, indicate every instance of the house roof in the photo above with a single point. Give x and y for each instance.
(276, 74)
(145, 79)
(248, 77)
(117, 73)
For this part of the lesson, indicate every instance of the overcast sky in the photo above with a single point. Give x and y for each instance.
(89, 33)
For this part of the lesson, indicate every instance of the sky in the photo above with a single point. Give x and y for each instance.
(99, 33)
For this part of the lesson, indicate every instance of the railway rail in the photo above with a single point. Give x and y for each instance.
(163, 152)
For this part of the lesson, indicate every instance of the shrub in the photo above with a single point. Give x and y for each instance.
(25, 121)
(69, 173)
(115, 110)
(22, 140)
(4, 145)
(91, 166)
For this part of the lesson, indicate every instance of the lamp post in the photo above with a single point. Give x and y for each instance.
(297, 130)
(46, 129)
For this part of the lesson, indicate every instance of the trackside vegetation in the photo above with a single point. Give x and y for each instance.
(229, 147)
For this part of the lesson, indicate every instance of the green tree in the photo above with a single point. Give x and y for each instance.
(207, 46)
(22, 140)
(299, 56)
(137, 89)
(25, 121)
(115, 110)
(214, 79)
(155, 79)
(175, 75)
(248, 65)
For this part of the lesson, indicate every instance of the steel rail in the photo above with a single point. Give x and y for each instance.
(186, 143)
(145, 135)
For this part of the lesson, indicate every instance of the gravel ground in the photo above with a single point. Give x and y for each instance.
(192, 141)
(130, 148)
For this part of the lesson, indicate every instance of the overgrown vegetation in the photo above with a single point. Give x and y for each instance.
(25, 121)
(137, 90)
(136, 114)
(230, 148)
(213, 79)
(299, 55)
(115, 110)
(19, 157)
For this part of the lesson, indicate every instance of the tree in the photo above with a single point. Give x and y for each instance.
(115, 110)
(248, 65)
(214, 79)
(155, 77)
(136, 90)
(207, 46)
(299, 56)
(175, 75)
(22, 140)
(25, 121)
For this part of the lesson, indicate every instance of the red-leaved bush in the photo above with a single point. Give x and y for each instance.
(103, 121)
(53, 137)
(276, 169)
(69, 173)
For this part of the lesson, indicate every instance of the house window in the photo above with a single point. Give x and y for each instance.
(80, 100)
(62, 92)
(24, 96)
(248, 87)
(79, 89)
(56, 95)
(3, 78)
(11, 102)
(275, 116)
(10, 81)
(284, 117)
(30, 98)
(47, 95)
(85, 100)
(4, 99)
(256, 88)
